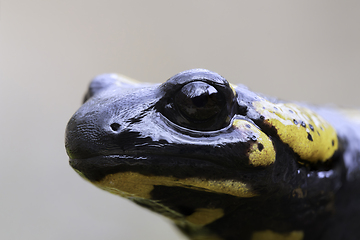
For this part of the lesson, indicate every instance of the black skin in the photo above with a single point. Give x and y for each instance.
(123, 127)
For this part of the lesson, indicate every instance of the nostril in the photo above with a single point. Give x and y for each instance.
(115, 126)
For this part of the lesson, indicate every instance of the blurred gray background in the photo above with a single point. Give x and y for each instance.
(49, 51)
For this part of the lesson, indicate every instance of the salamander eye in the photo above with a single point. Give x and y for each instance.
(198, 101)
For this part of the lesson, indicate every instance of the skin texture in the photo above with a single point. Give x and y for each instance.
(219, 160)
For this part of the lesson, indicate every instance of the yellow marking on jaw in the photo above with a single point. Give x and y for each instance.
(315, 141)
(132, 184)
(270, 235)
(262, 152)
(203, 216)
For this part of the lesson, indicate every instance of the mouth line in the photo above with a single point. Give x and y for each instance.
(96, 168)
(133, 158)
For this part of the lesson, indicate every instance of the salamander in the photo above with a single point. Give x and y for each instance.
(222, 162)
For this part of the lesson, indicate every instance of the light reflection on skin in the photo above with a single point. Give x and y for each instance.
(326, 174)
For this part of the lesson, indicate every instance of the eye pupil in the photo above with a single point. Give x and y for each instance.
(200, 101)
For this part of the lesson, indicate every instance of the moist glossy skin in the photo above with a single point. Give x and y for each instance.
(219, 160)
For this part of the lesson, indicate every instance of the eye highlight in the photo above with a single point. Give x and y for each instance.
(198, 101)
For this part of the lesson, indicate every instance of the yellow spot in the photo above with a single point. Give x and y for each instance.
(308, 134)
(270, 235)
(262, 152)
(203, 216)
(132, 184)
